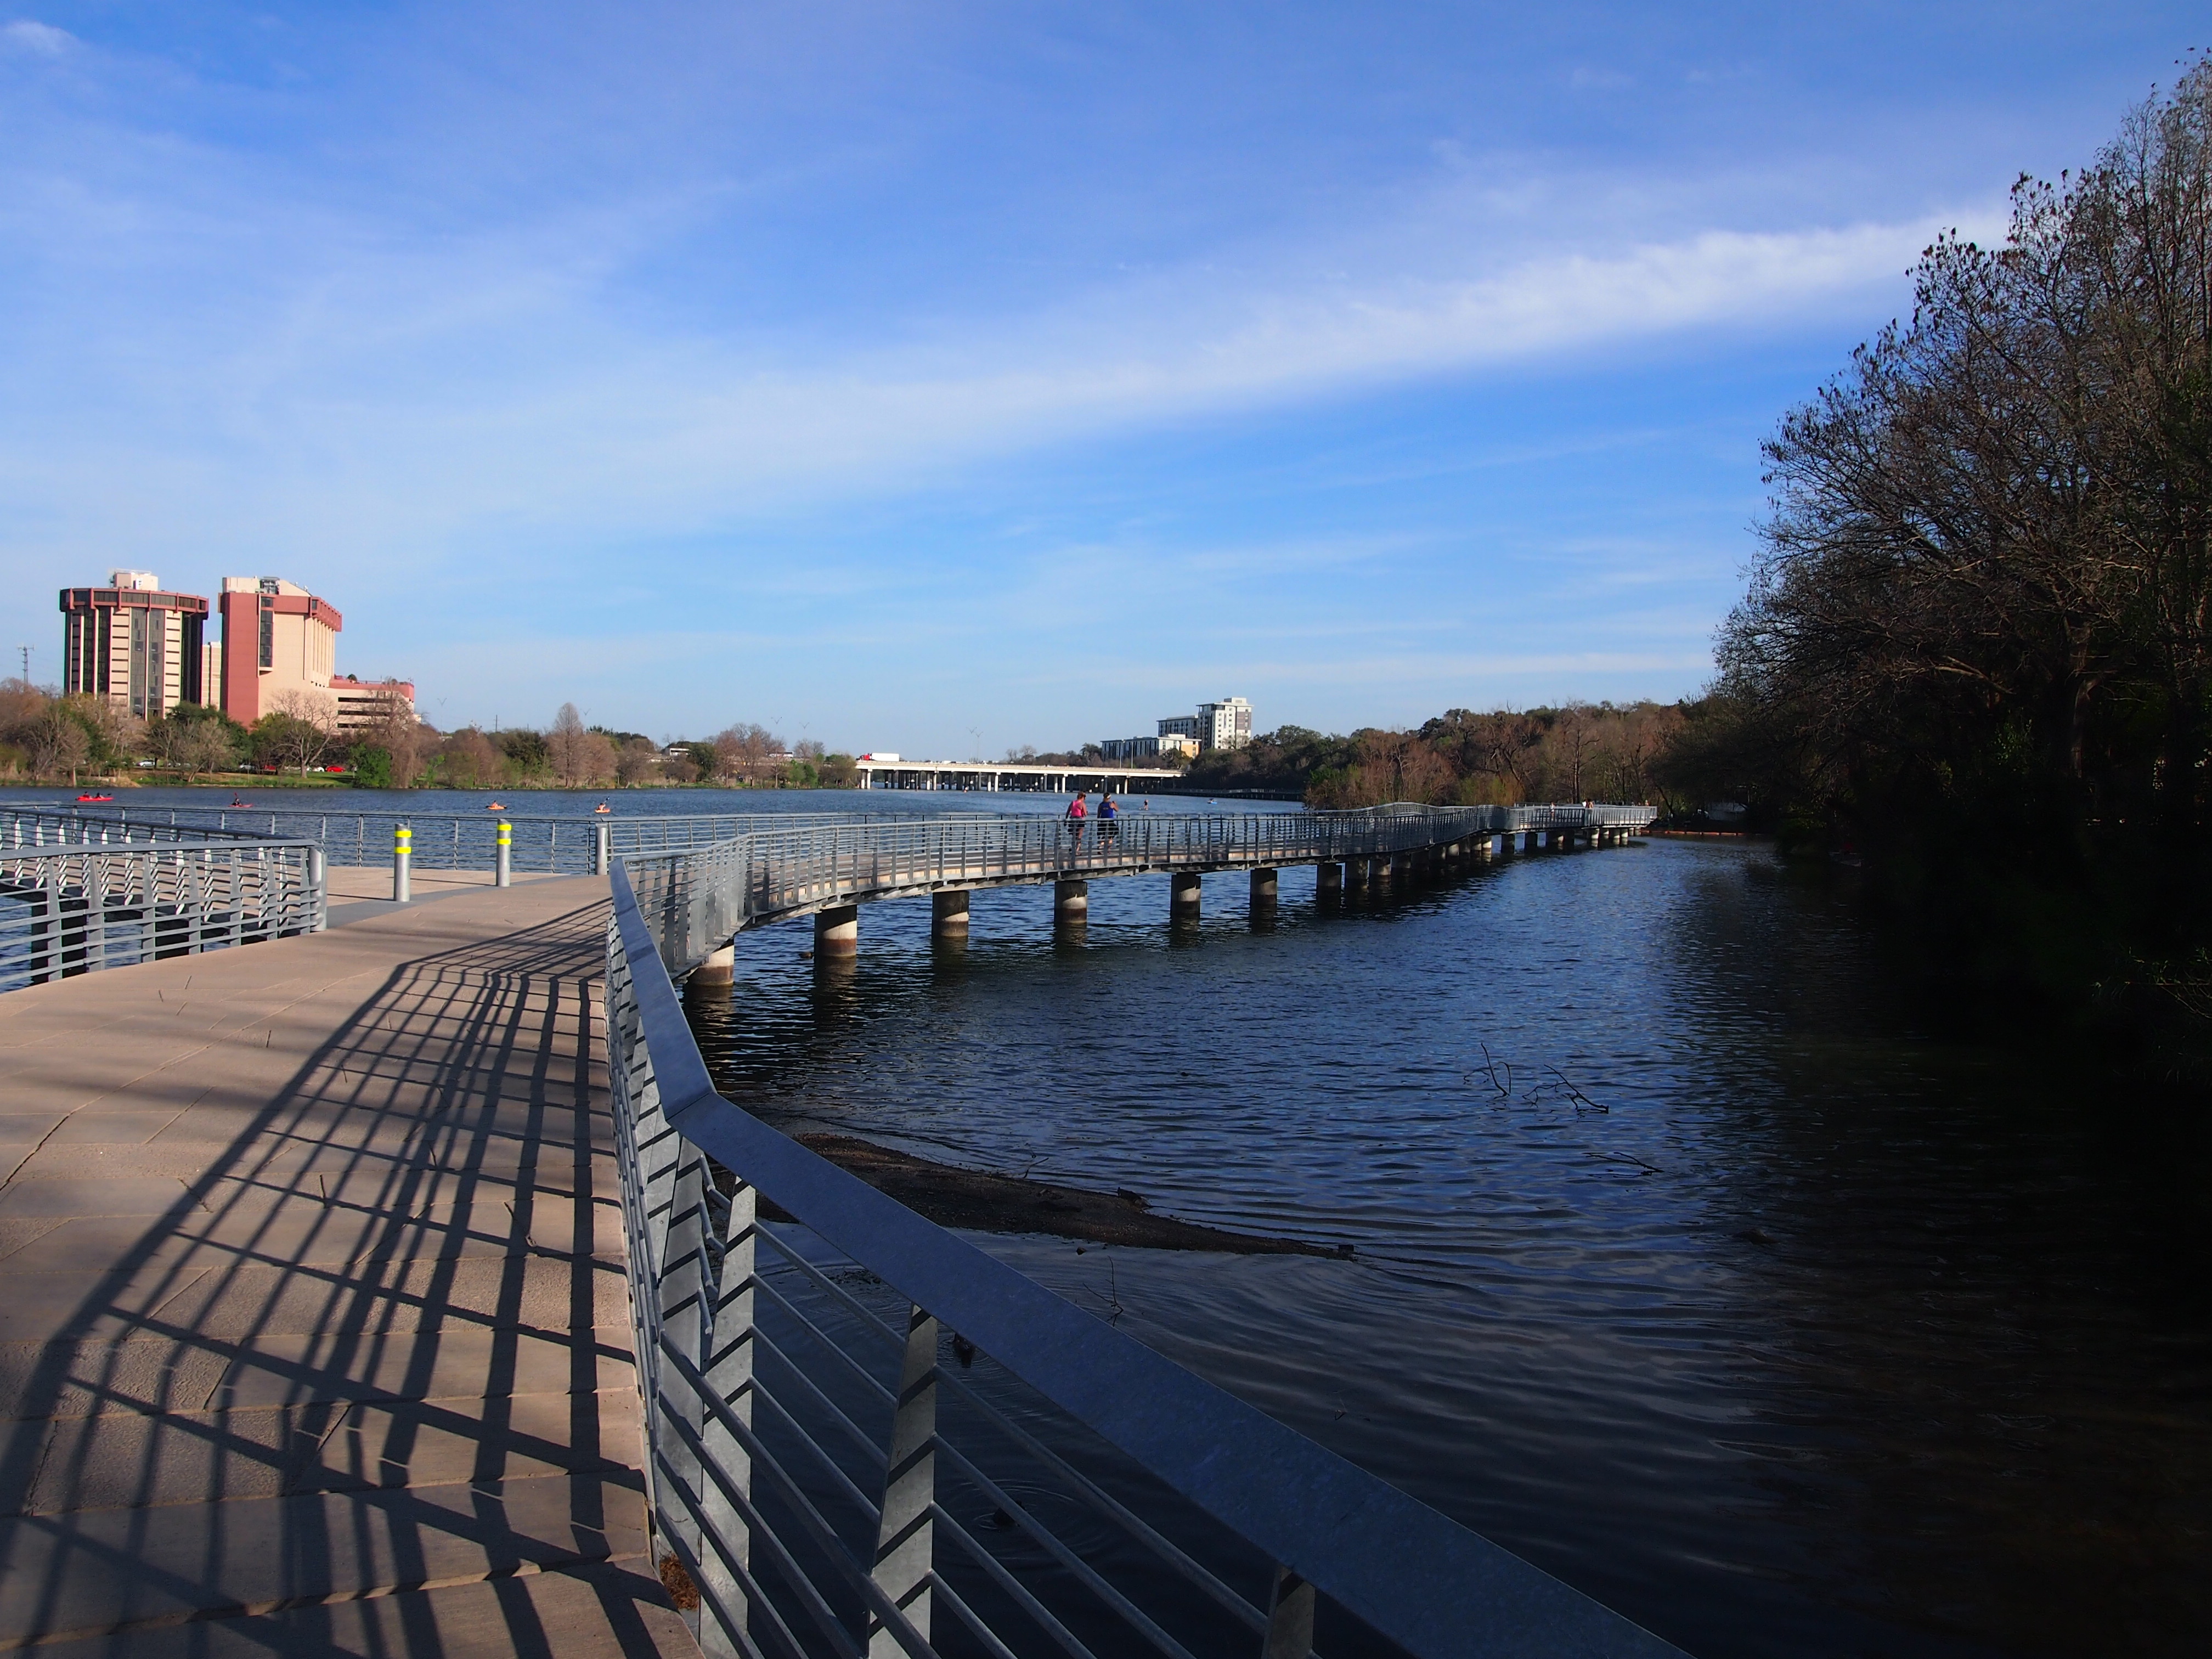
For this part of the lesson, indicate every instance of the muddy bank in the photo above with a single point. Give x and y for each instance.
(953, 1197)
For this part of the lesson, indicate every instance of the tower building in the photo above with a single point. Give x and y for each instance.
(277, 637)
(133, 645)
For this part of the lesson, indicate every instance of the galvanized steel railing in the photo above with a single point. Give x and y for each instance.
(696, 903)
(867, 1435)
(453, 841)
(76, 909)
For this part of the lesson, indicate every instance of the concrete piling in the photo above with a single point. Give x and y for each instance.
(1071, 903)
(1329, 881)
(720, 968)
(1183, 905)
(1263, 887)
(837, 933)
(948, 913)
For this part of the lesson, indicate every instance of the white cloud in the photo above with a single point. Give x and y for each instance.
(27, 35)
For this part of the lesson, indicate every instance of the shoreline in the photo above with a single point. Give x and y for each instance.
(979, 1201)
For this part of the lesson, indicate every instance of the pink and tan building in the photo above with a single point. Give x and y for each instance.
(279, 642)
(133, 645)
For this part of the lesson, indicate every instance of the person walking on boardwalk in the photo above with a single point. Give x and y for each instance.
(1107, 813)
(1077, 811)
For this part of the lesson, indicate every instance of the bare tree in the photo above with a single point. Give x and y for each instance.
(636, 760)
(567, 748)
(299, 730)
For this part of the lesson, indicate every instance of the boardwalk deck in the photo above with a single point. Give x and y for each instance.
(313, 1333)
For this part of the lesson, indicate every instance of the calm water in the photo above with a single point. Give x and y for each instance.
(1716, 1288)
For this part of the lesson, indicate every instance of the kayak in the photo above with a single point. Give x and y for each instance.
(95, 798)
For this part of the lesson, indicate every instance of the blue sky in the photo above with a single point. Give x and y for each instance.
(947, 377)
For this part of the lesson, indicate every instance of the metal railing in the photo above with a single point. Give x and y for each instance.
(76, 909)
(867, 1435)
(453, 841)
(696, 903)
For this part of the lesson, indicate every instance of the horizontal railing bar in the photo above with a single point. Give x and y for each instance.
(1086, 1574)
(1105, 1503)
(859, 1437)
(836, 1350)
(825, 1536)
(823, 1613)
(853, 1304)
(968, 1616)
(995, 1570)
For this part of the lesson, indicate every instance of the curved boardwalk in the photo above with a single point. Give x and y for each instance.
(313, 1332)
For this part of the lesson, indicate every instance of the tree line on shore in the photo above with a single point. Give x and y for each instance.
(47, 735)
(1975, 656)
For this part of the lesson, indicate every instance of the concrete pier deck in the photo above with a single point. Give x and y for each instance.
(313, 1330)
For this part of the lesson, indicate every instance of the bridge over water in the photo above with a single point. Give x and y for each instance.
(406, 1288)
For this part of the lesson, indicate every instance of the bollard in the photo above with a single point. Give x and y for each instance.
(600, 862)
(402, 852)
(504, 869)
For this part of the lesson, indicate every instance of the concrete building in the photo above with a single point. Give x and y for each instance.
(364, 705)
(132, 644)
(277, 638)
(1224, 724)
(1129, 749)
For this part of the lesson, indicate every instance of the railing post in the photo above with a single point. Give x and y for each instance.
(1290, 1617)
(729, 1369)
(601, 843)
(503, 866)
(402, 852)
(905, 1535)
(318, 888)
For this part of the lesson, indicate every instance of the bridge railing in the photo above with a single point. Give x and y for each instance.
(76, 909)
(867, 1435)
(557, 844)
(697, 903)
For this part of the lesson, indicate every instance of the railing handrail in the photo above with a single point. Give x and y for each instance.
(1413, 1575)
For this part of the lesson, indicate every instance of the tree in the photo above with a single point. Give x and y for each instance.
(1977, 644)
(469, 760)
(637, 760)
(391, 740)
(59, 741)
(299, 730)
(193, 738)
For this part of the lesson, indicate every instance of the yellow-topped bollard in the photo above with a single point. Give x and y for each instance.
(504, 869)
(403, 852)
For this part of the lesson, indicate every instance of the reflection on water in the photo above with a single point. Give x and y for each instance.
(1685, 1267)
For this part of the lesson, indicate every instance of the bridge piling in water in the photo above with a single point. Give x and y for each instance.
(948, 913)
(1071, 903)
(720, 968)
(837, 933)
(1329, 881)
(1184, 903)
(1264, 888)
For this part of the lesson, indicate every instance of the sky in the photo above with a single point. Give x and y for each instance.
(948, 378)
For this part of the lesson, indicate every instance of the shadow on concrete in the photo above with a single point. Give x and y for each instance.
(367, 1386)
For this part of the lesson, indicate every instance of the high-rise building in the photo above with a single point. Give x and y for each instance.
(277, 638)
(132, 644)
(1180, 725)
(1224, 724)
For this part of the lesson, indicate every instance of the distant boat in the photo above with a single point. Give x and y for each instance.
(603, 808)
(496, 806)
(95, 798)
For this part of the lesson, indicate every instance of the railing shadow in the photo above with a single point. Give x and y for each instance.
(380, 1342)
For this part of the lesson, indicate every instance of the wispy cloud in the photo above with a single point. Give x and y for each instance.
(26, 34)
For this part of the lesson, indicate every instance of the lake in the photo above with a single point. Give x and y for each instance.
(1689, 1264)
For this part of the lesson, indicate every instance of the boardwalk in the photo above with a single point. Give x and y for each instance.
(314, 1336)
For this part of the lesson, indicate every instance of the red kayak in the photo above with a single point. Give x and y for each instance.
(86, 798)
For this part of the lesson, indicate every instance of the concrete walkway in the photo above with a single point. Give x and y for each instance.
(313, 1330)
